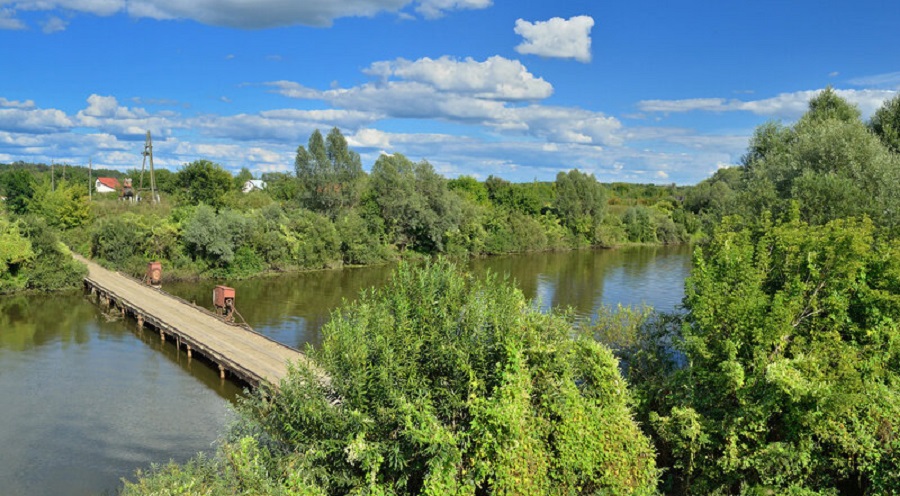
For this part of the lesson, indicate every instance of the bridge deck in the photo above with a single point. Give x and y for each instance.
(249, 355)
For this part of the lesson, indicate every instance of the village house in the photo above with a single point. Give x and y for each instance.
(107, 185)
(253, 185)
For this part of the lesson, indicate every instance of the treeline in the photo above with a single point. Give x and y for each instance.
(331, 213)
(781, 374)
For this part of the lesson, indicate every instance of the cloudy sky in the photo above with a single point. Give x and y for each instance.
(640, 91)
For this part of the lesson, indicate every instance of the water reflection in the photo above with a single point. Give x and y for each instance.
(292, 308)
(87, 400)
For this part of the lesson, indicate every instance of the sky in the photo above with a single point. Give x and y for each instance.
(639, 91)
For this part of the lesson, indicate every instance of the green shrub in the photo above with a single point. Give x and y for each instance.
(449, 384)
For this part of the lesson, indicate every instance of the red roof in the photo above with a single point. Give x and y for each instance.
(109, 182)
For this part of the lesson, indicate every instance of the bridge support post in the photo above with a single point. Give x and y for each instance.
(221, 372)
(162, 335)
(189, 351)
(140, 321)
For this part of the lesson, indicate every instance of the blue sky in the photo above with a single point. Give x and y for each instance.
(639, 91)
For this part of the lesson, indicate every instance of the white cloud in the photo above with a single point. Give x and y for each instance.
(466, 92)
(54, 25)
(245, 14)
(432, 9)
(104, 113)
(557, 38)
(496, 78)
(784, 105)
(27, 104)
(889, 80)
(31, 120)
(8, 20)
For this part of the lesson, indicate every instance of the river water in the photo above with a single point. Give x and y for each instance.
(86, 398)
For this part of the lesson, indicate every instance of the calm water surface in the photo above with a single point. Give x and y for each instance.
(86, 399)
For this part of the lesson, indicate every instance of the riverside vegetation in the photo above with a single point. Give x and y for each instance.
(779, 375)
(331, 213)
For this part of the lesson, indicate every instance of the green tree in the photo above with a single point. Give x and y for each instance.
(829, 162)
(65, 207)
(18, 187)
(580, 202)
(886, 123)
(15, 251)
(791, 345)
(241, 178)
(203, 181)
(329, 172)
(215, 237)
(417, 207)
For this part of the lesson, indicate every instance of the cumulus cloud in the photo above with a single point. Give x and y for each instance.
(784, 105)
(487, 93)
(27, 104)
(104, 113)
(496, 78)
(245, 14)
(557, 38)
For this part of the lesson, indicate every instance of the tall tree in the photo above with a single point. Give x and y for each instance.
(203, 181)
(330, 172)
(18, 186)
(415, 203)
(580, 201)
(886, 123)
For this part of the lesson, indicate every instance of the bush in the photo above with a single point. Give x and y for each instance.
(449, 384)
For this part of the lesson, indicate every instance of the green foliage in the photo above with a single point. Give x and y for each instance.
(203, 181)
(829, 162)
(312, 240)
(417, 208)
(362, 239)
(18, 187)
(129, 240)
(52, 267)
(580, 202)
(64, 207)
(15, 252)
(793, 349)
(241, 178)
(330, 174)
(449, 384)
(469, 188)
(886, 124)
(282, 186)
(638, 225)
(215, 237)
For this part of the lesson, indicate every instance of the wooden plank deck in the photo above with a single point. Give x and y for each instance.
(237, 349)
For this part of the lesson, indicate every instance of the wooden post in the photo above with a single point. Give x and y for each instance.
(221, 372)
(140, 320)
(189, 351)
(162, 335)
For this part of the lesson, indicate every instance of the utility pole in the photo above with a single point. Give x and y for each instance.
(91, 179)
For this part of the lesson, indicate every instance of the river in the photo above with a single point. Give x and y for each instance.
(87, 399)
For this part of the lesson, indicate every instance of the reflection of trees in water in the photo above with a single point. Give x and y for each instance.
(270, 302)
(30, 321)
(292, 308)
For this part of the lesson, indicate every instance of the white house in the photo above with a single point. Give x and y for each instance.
(107, 185)
(253, 185)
